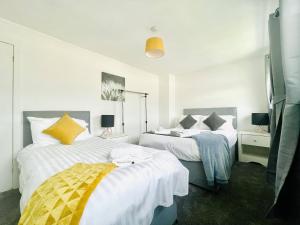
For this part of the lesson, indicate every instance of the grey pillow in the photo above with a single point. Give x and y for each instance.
(188, 122)
(214, 121)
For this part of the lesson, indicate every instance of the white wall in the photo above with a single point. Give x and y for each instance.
(166, 100)
(240, 84)
(54, 75)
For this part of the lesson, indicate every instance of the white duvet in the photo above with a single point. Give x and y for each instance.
(183, 148)
(127, 196)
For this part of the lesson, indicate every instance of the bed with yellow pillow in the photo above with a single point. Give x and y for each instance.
(89, 189)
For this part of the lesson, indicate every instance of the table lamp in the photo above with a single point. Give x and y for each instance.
(261, 119)
(108, 122)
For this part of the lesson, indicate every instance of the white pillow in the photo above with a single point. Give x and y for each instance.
(39, 124)
(226, 126)
(84, 135)
(80, 122)
(228, 118)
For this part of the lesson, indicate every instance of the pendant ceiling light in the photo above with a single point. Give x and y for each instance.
(154, 46)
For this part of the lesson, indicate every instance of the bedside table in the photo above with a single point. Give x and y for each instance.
(254, 147)
(118, 138)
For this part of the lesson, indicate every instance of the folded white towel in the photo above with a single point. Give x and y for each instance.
(185, 133)
(162, 131)
(176, 133)
(129, 155)
(165, 131)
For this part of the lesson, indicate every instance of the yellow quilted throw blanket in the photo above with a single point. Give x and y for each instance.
(61, 199)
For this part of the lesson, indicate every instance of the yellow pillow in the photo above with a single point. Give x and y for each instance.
(65, 130)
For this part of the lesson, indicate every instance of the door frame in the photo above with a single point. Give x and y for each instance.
(13, 109)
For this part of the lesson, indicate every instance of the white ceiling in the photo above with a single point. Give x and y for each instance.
(197, 33)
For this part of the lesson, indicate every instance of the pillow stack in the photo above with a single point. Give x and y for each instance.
(212, 122)
(39, 125)
(65, 130)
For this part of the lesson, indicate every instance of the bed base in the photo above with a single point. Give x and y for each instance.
(197, 175)
(165, 215)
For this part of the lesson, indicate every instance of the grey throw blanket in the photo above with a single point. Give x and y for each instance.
(216, 157)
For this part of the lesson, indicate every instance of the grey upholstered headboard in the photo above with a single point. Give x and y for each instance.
(27, 139)
(220, 111)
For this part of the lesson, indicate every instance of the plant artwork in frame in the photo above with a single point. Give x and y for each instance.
(111, 86)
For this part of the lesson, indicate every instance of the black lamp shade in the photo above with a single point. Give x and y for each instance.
(261, 119)
(107, 121)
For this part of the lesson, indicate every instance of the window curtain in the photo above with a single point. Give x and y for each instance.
(278, 91)
(286, 139)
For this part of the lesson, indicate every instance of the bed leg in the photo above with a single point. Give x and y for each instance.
(176, 222)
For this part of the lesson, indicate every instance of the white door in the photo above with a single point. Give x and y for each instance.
(6, 115)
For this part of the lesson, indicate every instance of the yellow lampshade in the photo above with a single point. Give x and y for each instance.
(154, 47)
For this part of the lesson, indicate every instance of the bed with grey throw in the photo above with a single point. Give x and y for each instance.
(204, 172)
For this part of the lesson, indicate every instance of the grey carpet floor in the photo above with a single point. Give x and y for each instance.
(244, 201)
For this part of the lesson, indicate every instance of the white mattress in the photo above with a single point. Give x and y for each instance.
(126, 196)
(183, 148)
